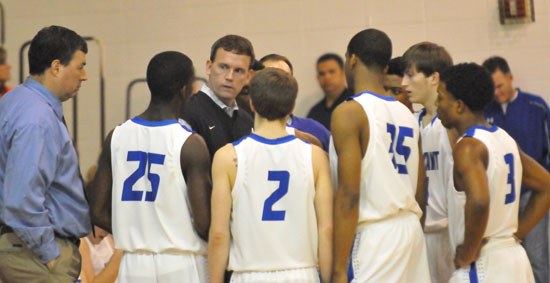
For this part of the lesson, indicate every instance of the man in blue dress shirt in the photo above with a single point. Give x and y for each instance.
(526, 118)
(43, 209)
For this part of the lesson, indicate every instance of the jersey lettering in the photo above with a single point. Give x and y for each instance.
(146, 159)
(276, 215)
(397, 146)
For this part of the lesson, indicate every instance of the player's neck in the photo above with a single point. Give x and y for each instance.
(270, 129)
(471, 120)
(160, 112)
(431, 109)
(369, 81)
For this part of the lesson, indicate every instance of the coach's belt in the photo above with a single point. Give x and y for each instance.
(7, 229)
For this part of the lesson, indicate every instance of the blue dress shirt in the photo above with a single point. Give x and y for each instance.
(40, 188)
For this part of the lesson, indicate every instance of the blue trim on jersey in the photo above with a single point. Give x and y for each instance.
(237, 142)
(274, 141)
(473, 273)
(146, 123)
(420, 116)
(351, 274)
(187, 129)
(433, 120)
(471, 131)
(387, 98)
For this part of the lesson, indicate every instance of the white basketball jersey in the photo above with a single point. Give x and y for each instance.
(504, 173)
(389, 169)
(438, 161)
(273, 220)
(150, 202)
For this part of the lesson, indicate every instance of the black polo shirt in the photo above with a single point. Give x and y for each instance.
(320, 113)
(211, 122)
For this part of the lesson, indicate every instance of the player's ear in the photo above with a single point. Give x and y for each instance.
(386, 69)
(459, 106)
(251, 106)
(434, 78)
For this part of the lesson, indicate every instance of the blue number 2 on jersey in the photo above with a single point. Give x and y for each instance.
(145, 160)
(400, 148)
(511, 196)
(276, 215)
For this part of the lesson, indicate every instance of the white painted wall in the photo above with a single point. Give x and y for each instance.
(134, 30)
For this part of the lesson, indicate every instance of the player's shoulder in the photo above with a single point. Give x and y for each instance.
(469, 148)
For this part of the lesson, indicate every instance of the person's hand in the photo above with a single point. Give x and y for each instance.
(51, 264)
(464, 257)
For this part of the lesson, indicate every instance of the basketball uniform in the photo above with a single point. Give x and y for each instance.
(389, 243)
(502, 259)
(151, 219)
(273, 221)
(438, 160)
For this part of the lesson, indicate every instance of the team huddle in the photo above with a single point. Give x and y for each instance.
(402, 210)
(195, 189)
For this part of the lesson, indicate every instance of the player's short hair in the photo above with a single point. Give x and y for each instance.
(373, 47)
(235, 44)
(51, 43)
(396, 66)
(167, 73)
(331, 56)
(496, 63)
(470, 83)
(273, 93)
(427, 57)
(277, 57)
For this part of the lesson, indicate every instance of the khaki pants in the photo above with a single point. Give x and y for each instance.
(19, 264)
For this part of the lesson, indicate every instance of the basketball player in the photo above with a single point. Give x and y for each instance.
(156, 173)
(488, 171)
(424, 63)
(379, 174)
(271, 198)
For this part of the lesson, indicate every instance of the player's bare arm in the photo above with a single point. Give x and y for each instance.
(195, 166)
(349, 123)
(100, 190)
(537, 179)
(421, 184)
(224, 171)
(323, 209)
(470, 165)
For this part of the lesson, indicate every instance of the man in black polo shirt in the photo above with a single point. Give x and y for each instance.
(213, 112)
(330, 73)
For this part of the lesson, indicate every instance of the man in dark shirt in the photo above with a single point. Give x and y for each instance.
(213, 112)
(526, 118)
(330, 73)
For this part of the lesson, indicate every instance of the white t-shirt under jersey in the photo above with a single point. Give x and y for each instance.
(150, 202)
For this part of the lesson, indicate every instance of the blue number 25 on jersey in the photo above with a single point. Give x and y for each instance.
(398, 135)
(145, 160)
